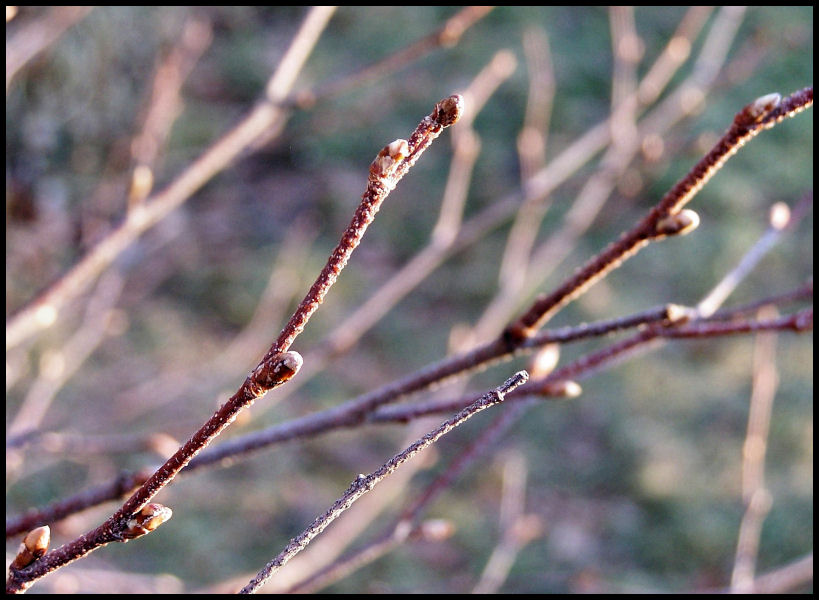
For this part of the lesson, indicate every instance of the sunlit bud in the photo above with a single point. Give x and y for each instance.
(763, 105)
(146, 520)
(679, 223)
(398, 149)
(37, 540)
(45, 315)
(677, 314)
(276, 370)
(561, 389)
(449, 110)
(436, 530)
(780, 215)
(388, 158)
(35, 545)
(142, 181)
(545, 360)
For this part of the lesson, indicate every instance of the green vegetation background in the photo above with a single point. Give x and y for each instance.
(637, 481)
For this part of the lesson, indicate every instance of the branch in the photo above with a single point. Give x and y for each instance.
(42, 311)
(278, 365)
(364, 483)
(668, 217)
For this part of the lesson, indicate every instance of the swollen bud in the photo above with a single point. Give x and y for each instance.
(274, 371)
(763, 105)
(679, 223)
(388, 158)
(449, 110)
(146, 520)
(35, 545)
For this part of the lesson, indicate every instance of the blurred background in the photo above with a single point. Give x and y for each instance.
(635, 486)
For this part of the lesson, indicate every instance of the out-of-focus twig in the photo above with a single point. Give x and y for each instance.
(35, 37)
(43, 311)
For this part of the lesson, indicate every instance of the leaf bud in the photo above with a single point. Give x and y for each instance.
(679, 223)
(146, 520)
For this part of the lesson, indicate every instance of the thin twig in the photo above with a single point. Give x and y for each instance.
(391, 164)
(761, 114)
(43, 311)
(408, 523)
(278, 365)
(364, 483)
(755, 496)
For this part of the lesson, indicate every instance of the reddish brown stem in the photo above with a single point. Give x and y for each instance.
(380, 183)
(278, 365)
(761, 114)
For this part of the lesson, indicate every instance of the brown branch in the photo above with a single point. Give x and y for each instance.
(364, 408)
(269, 374)
(798, 322)
(118, 488)
(278, 365)
(391, 164)
(663, 219)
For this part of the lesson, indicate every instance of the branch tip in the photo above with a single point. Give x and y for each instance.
(449, 110)
(510, 384)
(680, 223)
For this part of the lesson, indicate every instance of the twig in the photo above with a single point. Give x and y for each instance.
(803, 292)
(364, 483)
(623, 142)
(408, 523)
(278, 365)
(667, 218)
(118, 488)
(755, 496)
(444, 232)
(446, 36)
(356, 412)
(43, 310)
(35, 37)
(799, 321)
(780, 217)
(786, 578)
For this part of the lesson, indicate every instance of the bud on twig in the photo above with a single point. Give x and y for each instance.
(679, 223)
(763, 105)
(274, 371)
(676, 314)
(146, 520)
(388, 158)
(566, 388)
(448, 110)
(35, 545)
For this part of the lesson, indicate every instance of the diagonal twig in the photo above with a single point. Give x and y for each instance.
(278, 365)
(364, 483)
